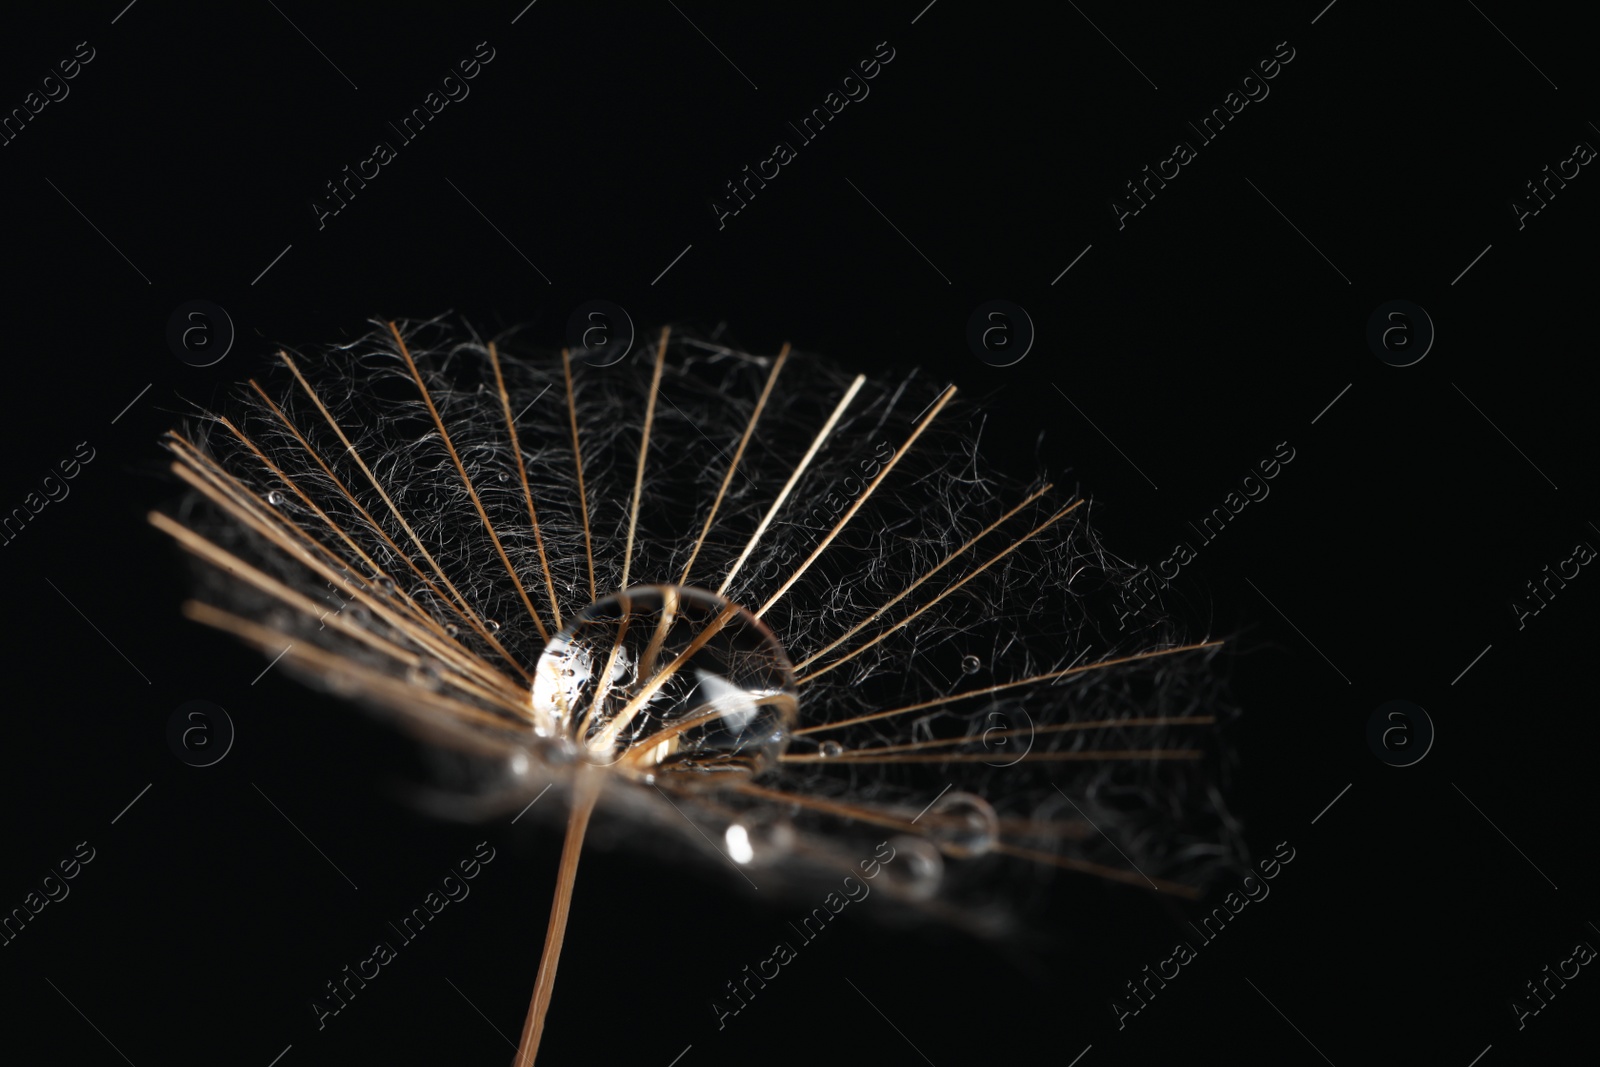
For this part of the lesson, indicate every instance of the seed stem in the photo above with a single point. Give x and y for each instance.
(586, 790)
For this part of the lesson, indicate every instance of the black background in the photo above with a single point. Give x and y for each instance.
(1207, 330)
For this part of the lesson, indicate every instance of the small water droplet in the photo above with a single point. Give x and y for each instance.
(493, 625)
(914, 868)
(424, 674)
(830, 749)
(759, 838)
(386, 583)
(964, 825)
(737, 839)
(275, 498)
(970, 664)
(504, 476)
(452, 630)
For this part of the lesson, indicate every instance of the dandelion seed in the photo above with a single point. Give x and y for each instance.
(713, 595)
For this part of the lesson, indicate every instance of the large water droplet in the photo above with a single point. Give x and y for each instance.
(275, 498)
(964, 825)
(662, 679)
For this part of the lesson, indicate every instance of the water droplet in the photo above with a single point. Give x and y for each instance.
(726, 708)
(504, 476)
(424, 674)
(738, 842)
(759, 838)
(830, 749)
(386, 583)
(275, 498)
(914, 868)
(493, 625)
(970, 664)
(964, 825)
(452, 630)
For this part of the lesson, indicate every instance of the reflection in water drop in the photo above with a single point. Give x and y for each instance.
(964, 825)
(666, 680)
(275, 498)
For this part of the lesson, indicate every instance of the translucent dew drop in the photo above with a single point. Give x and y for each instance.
(275, 498)
(761, 837)
(970, 664)
(493, 625)
(425, 674)
(738, 841)
(963, 825)
(915, 869)
(830, 749)
(663, 680)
